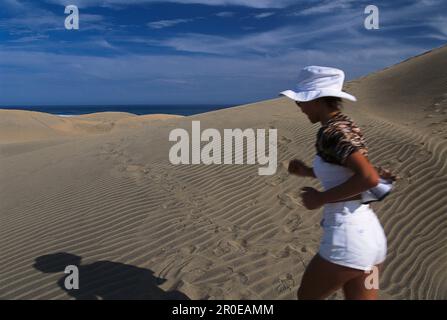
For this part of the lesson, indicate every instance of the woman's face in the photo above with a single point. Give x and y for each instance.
(310, 109)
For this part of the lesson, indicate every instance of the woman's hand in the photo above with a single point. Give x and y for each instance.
(297, 167)
(386, 174)
(311, 198)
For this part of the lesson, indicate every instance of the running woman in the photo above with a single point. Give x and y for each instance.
(353, 243)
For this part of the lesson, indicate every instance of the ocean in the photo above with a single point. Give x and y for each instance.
(185, 110)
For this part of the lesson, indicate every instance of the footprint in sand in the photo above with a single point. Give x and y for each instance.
(188, 197)
(287, 251)
(227, 246)
(276, 180)
(282, 253)
(287, 199)
(292, 224)
(284, 140)
(185, 265)
(198, 262)
(285, 283)
(251, 203)
(189, 249)
(242, 277)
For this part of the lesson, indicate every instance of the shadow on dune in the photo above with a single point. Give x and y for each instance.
(107, 280)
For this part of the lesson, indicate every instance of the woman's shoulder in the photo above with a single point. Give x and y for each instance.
(342, 126)
(339, 138)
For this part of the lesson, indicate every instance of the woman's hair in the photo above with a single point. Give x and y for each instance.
(334, 103)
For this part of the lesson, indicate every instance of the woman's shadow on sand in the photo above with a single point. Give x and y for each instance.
(107, 280)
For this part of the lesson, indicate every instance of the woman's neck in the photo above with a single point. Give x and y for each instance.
(327, 116)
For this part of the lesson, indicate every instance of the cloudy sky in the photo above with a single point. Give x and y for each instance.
(198, 51)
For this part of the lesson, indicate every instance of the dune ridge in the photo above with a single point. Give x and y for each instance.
(25, 126)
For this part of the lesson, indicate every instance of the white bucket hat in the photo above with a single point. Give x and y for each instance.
(315, 82)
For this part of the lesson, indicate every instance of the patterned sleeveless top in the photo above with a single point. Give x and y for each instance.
(338, 139)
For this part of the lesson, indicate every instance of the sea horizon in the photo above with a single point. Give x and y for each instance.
(75, 110)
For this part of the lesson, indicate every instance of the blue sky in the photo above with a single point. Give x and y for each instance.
(198, 51)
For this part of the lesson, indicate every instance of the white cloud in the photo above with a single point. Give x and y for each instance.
(36, 19)
(264, 15)
(167, 23)
(246, 66)
(326, 6)
(105, 44)
(246, 3)
(271, 42)
(13, 4)
(435, 36)
(30, 38)
(440, 24)
(225, 14)
(172, 78)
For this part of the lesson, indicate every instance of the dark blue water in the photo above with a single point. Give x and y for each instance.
(185, 110)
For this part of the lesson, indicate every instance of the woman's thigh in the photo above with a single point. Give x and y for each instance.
(357, 288)
(322, 278)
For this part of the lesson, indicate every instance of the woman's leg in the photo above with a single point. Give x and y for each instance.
(356, 288)
(322, 278)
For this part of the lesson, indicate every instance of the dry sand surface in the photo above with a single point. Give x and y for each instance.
(100, 188)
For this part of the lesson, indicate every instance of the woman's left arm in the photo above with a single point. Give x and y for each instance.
(365, 177)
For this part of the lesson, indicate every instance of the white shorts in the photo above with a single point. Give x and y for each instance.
(353, 236)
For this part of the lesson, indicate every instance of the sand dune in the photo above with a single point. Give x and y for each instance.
(143, 225)
(25, 126)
